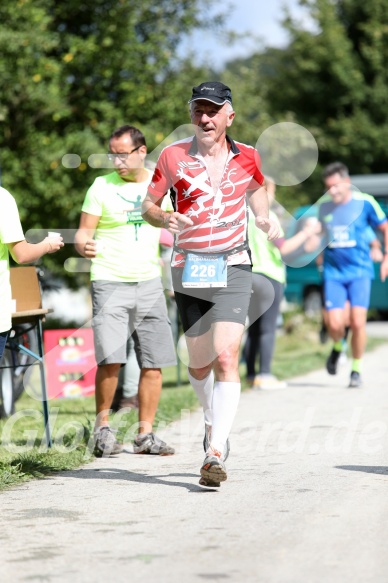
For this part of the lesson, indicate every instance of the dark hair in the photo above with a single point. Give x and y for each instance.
(335, 168)
(138, 138)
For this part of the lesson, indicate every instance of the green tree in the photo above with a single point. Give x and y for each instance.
(252, 98)
(334, 79)
(331, 78)
(73, 71)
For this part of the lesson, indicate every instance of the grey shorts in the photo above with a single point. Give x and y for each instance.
(122, 310)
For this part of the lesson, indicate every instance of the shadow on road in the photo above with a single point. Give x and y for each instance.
(118, 474)
(368, 469)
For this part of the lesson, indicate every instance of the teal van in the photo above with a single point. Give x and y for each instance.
(304, 283)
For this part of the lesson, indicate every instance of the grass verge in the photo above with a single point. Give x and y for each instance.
(23, 453)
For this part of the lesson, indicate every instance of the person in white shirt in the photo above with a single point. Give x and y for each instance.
(12, 241)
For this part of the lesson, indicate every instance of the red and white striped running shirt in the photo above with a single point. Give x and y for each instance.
(220, 219)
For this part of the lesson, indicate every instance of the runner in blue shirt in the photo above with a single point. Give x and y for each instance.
(345, 215)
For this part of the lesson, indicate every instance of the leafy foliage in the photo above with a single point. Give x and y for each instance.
(331, 79)
(74, 71)
(334, 80)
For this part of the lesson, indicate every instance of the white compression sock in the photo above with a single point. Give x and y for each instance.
(225, 402)
(204, 391)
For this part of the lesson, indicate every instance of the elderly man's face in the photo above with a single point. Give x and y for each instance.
(211, 120)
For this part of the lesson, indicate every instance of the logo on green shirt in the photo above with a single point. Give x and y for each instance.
(134, 214)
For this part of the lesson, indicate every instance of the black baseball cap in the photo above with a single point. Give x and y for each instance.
(213, 91)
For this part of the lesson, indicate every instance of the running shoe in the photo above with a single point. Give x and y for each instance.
(355, 380)
(150, 443)
(213, 470)
(206, 443)
(268, 382)
(332, 361)
(106, 443)
(208, 483)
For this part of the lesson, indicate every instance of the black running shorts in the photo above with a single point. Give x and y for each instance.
(199, 308)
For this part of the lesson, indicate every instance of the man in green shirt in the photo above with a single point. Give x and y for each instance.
(127, 292)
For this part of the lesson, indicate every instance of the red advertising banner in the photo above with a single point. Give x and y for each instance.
(70, 362)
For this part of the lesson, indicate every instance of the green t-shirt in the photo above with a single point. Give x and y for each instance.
(10, 232)
(130, 245)
(266, 257)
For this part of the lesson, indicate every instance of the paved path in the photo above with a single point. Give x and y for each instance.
(306, 499)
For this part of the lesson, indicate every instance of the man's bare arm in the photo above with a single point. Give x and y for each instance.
(152, 213)
(258, 201)
(384, 263)
(24, 252)
(84, 242)
(155, 216)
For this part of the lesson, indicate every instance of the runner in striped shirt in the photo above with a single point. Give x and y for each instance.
(210, 178)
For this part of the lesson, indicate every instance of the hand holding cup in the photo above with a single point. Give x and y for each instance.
(55, 241)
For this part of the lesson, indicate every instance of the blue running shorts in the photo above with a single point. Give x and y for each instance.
(357, 291)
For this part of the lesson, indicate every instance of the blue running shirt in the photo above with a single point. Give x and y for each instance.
(347, 252)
